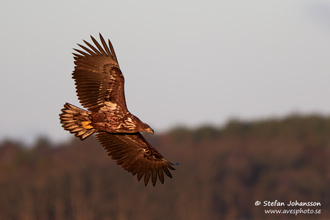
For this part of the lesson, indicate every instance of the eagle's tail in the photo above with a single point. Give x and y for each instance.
(77, 121)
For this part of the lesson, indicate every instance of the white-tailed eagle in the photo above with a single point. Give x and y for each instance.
(100, 88)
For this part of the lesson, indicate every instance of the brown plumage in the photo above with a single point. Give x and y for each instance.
(100, 88)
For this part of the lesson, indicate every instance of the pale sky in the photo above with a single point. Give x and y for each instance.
(185, 62)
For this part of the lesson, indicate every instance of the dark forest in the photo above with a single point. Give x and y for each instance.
(221, 173)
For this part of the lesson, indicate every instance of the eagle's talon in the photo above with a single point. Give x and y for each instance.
(86, 125)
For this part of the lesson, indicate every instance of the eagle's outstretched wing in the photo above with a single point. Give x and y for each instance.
(97, 75)
(136, 155)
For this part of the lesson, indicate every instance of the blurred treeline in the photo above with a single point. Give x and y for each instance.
(221, 173)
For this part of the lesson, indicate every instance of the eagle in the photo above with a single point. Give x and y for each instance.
(100, 89)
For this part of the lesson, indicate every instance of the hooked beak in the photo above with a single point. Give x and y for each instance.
(150, 130)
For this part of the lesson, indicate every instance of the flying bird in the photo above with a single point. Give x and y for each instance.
(100, 88)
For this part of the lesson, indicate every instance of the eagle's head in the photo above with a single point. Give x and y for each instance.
(149, 129)
(146, 128)
(141, 126)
